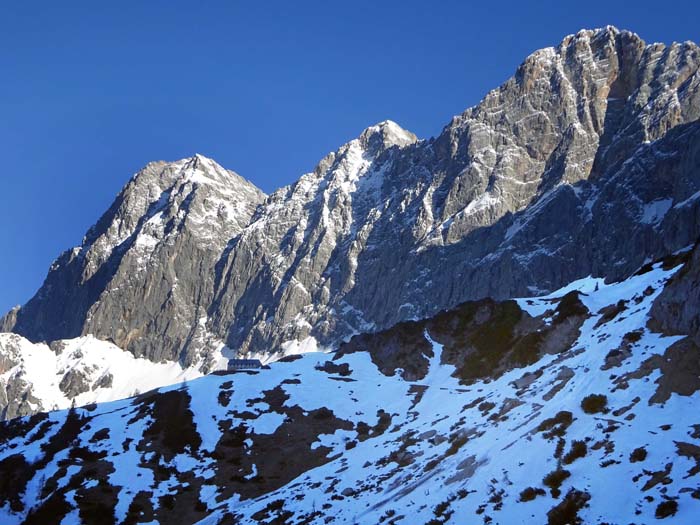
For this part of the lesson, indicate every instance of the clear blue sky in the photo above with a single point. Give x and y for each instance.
(91, 91)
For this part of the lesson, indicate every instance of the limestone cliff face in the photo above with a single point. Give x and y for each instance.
(144, 275)
(585, 162)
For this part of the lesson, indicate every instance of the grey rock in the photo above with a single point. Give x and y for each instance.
(103, 382)
(8, 321)
(58, 346)
(74, 383)
(585, 162)
(16, 398)
(144, 275)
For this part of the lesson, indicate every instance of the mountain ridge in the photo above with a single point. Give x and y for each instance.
(302, 266)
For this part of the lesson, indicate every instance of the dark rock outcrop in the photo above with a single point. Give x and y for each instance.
(677, 309)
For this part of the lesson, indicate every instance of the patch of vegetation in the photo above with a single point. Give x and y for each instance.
(526, 350)
(457, 441)
(49, 511)
(224, 397)
(486, 406)
(666, 509)
(401, 347)
(554, 479)
(490, 340)
(173, 424)
(274, 509)
(141, 509)
(594, 403)
(556, 426)
(330, 367)
(290, 358)
(559, 450)
(390, 513)
(96, 505)
(578, 450)
(531, 493)
(442, 510)
(566, 512)
(638, 454)
(16, 473)
(100, 435)
(383, 423)
(20, 427)
(496, 498)
(430, 465)
(692, 452)
(633, 337)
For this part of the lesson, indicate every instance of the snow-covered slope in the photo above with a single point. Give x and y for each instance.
(578, 413)
(35, 377)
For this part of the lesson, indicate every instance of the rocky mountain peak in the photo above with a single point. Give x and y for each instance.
(155, 247)
(369, 145)
(204, 170)
(582, 163)
(386, 134)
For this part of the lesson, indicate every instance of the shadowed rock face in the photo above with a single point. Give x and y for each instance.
(585, 162)
(677, 309)
(482, 339)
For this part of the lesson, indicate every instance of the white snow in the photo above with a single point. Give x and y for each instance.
(655, 211)
(92, 358)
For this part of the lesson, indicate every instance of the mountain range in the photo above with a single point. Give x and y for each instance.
(583, 163)
(409, 380)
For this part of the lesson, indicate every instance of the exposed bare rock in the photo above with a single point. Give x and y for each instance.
(144, 276)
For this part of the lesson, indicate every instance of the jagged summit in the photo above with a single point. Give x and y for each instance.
(390, 133)
(608, 32)
(147, 262)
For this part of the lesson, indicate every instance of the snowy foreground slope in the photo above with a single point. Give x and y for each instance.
(479, 415)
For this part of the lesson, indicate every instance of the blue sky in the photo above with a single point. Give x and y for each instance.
(91, 91)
